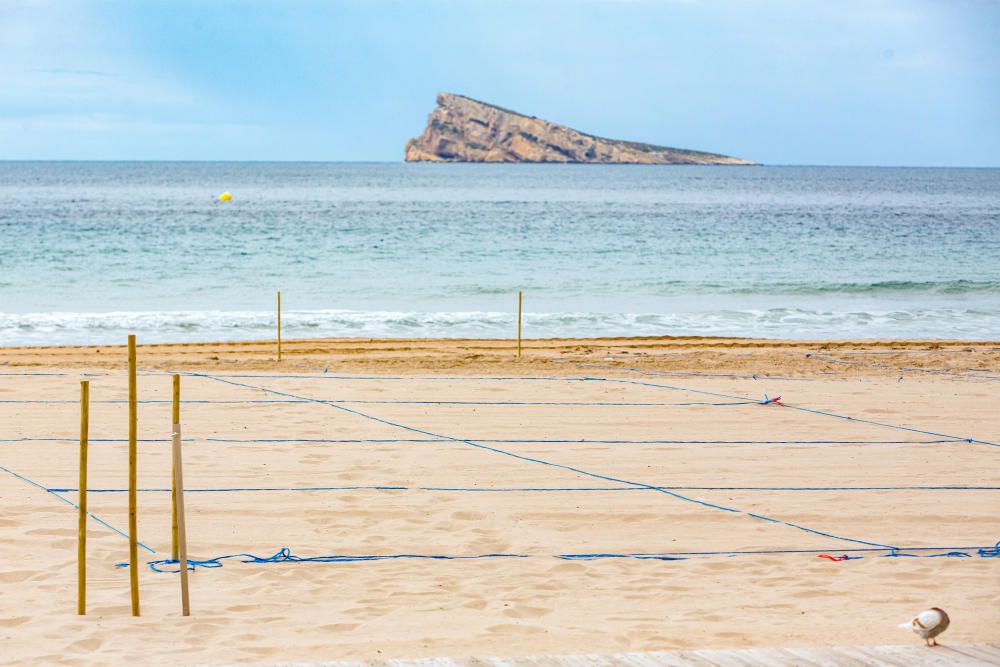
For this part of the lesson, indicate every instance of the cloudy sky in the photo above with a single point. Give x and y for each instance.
(876, 82)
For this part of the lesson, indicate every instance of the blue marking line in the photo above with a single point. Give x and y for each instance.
(587, 441)
(540, 441)
(858, 420)
(386, 402)
(72, 504)
(539, 489)
(444, 378)
(284, 555)
(92, 440)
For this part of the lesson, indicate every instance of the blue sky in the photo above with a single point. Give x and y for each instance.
(886, 82)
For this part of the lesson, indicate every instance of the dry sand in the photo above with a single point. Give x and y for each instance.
(411, 608)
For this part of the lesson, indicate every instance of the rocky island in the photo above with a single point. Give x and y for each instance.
(461, 129)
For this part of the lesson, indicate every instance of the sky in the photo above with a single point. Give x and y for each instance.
(875, 82)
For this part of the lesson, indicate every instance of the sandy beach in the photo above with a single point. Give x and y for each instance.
(548, 480)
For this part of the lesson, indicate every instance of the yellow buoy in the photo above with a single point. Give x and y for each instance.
(226, 196)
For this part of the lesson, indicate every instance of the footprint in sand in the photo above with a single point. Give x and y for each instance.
(339, 627)
(91, 644)
(56, 532)
(524, 611)
(104, 611)
(15, 576)
(513, 628)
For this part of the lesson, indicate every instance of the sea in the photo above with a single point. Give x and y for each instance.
(92, 251)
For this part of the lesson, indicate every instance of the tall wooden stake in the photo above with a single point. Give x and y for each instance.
(520, 299)
(180, 529)
(81, 526)
(279, 325)
(133, 527)
(174, 553)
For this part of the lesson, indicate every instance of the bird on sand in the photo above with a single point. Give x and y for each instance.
(929, 624)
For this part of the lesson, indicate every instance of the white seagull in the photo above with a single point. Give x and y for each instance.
(929, 624)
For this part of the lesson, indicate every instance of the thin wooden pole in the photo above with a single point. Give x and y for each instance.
(81, 526)
(279, 325)
(133, 527)
(520, 300)
(178, 485)
(174, 553)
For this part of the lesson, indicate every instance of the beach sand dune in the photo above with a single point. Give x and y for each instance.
(618, 448)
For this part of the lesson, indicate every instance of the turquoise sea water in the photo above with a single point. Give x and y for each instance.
(92, 251)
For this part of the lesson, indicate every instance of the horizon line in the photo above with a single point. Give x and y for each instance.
(437, 165)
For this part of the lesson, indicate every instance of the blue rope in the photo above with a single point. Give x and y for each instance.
(144, 401)
(252, 488)
(586, 441)
(540, 489)
(73, 505)
(284, 555)
(549, 463)
(92, 440)
(33, 374)
(990, 552)
(390, 402)
(446, 378)
(858, 420)
(503, 440)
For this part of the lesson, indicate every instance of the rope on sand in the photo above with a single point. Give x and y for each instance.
(285, 555)
(952, 438)
(72, 504)
(389, 402)
(537, 489)
(445, 378)
(533, 441)
(582, 441)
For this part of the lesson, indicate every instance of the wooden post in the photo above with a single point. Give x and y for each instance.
(279, 325)
(180, 531)
(520, 299)
(81, 526)
(133, 527)
(173, 481)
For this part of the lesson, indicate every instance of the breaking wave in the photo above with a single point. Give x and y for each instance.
(71, 328)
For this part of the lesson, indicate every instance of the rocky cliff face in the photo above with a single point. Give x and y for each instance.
(461, 129)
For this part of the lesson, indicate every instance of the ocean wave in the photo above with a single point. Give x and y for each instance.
(71, 328)
(879, 287)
